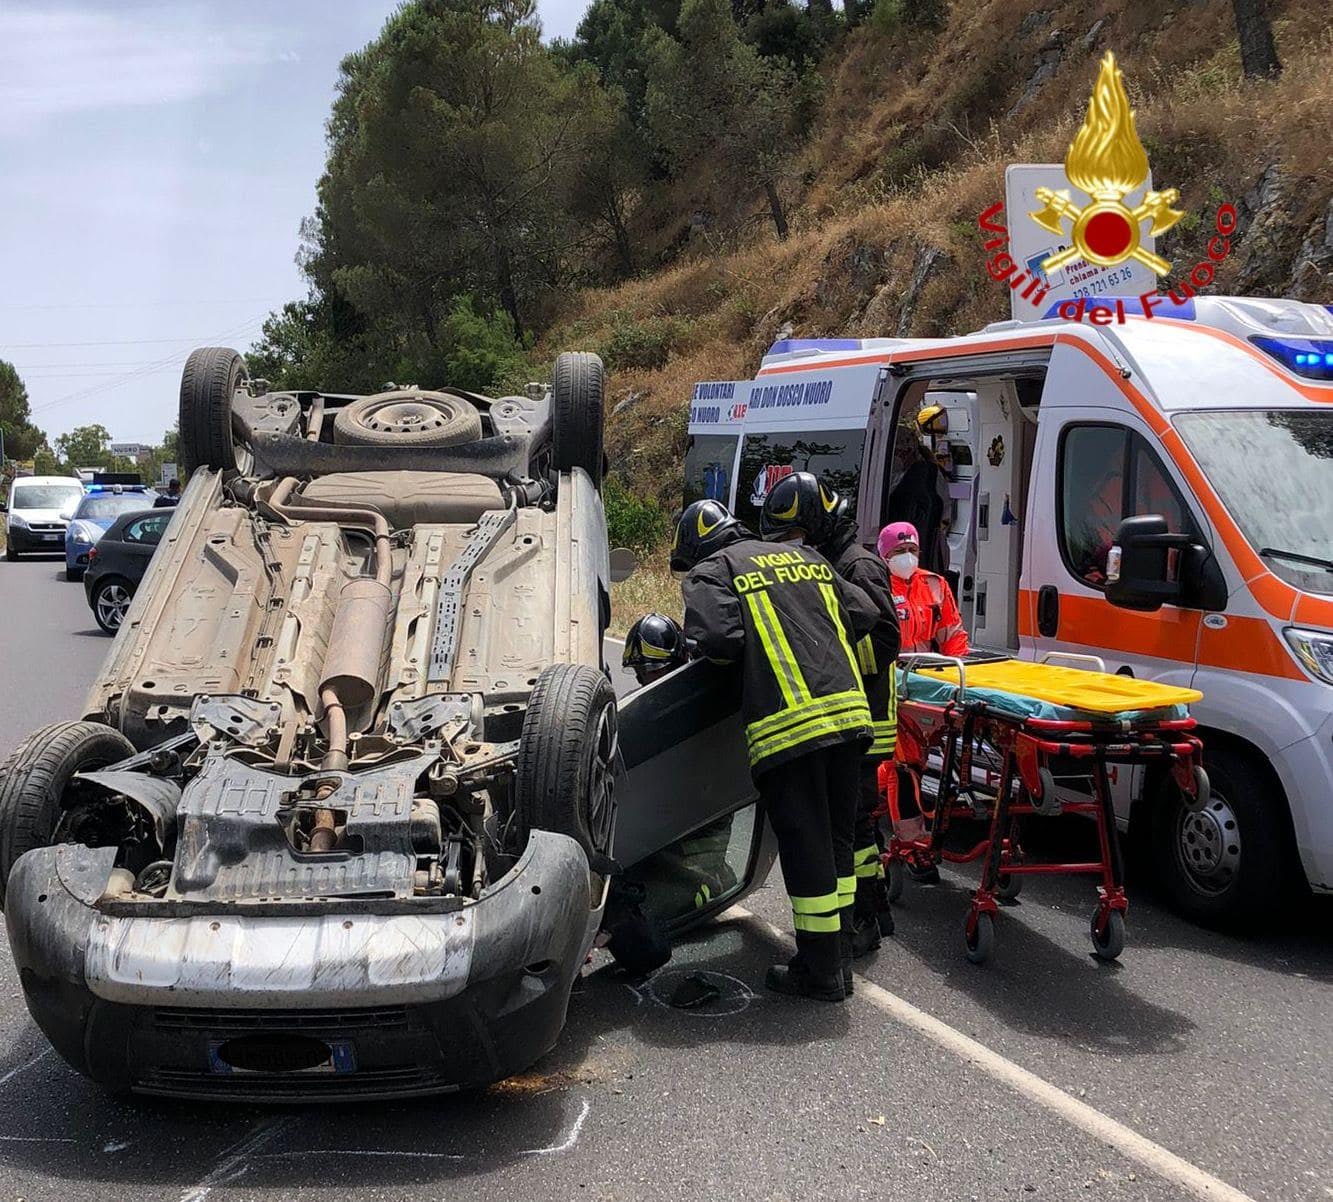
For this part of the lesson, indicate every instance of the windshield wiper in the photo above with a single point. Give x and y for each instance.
(1312, 560)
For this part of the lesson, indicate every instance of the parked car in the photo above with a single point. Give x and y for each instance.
(117, 564)
(101, 505)
(336, 819)
(33, 520)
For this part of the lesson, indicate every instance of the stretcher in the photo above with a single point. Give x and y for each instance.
(995, 734)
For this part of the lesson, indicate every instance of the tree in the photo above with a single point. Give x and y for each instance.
(84, 446)
(1258, 53)
(610, 178)
(22, 438)
(715, 106)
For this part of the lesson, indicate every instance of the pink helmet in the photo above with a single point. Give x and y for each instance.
(895, 536)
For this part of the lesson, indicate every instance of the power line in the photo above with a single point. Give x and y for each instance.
(156, 304)
(192, 338)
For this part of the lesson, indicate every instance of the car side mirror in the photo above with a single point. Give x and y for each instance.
(4, 506)
(623, 564)
(67, 514)
(1141, 571)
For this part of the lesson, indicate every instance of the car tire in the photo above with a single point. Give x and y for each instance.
(407, 418)
(11, 555)
(568, 757)
(1225, 864)
(106, 603)
(578, 393)
(34, 778)
(212, 376)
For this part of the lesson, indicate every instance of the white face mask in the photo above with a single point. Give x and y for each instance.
(904, 564)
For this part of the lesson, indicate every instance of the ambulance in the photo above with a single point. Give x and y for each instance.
(1156, 492)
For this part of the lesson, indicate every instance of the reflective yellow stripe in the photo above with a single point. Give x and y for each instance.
(886, 737)
(863, 855)
(820, 705)
(819, 923)
(815, 905)
(802, 691)
(775, 661)
(831, 604)
(865, 654)
(846, 891)
(855, 718)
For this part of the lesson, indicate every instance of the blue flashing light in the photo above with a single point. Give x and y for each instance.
(1311, 358)
(787, 345)
(1132, 307)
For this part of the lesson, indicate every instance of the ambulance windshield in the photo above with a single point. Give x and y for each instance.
(1274, 472)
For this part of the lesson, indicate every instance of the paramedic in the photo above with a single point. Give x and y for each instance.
(654, 647)
(928, 618)
(782, 613)
(804, 503)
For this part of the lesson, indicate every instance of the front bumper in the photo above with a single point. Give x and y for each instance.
(411, 999)
(23, 540)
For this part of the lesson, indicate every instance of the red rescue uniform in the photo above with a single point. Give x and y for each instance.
(928, 617)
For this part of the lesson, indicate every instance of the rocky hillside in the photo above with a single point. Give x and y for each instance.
(911, 146)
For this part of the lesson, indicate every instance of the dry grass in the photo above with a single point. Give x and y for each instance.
(912, 146)
(651, 588)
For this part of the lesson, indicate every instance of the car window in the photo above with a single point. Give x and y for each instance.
(1109, 473)
(44, 496)
(110, 505)
(147, 530)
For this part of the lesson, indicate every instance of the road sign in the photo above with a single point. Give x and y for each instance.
(1029, 243)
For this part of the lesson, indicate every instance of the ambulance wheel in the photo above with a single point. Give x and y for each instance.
(895, 875)
(978, 937)
(578, 390)
(1110, 942)
(1224, 864)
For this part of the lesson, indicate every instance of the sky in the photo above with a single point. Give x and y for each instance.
(156, 160)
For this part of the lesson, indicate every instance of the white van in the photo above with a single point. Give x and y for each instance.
(32, 515)
(1218, 419)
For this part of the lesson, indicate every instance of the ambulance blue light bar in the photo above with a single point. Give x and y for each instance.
(788, 345)
(1308, 357)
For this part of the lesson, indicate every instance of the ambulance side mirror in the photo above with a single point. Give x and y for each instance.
(623, 564)
(1143, 565)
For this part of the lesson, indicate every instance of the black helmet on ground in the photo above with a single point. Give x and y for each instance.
(799, 502)
(655, 644)
(704, 527)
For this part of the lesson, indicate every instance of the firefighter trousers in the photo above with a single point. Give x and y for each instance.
(811, 804)
(871, 897)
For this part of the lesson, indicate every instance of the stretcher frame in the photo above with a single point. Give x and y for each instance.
(1031, 751)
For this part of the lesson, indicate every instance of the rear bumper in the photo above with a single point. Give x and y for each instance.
(416, 1002)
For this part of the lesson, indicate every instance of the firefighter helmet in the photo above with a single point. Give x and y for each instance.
(704, 527)
(654, 643)
(799, 502)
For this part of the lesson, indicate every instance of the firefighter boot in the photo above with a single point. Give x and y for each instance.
(846, 939)
(883, 911)
(815, 970)
(865, 930)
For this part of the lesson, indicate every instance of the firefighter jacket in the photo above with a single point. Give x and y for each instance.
(876, 652)
(791, 622)
(928, 615)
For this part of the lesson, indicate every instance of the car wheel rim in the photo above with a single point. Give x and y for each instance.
(1208, 845)
(405, 417)
(112, 602)
(601, 807)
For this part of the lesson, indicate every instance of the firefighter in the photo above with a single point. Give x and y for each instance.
(784, 615)
(802, 502)
(654, 646)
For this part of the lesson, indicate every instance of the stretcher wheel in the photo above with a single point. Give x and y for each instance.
(1008, 886)
(895, 875)
(978, 937)
(1046, 802)
(1203, 792)
(1111, 942)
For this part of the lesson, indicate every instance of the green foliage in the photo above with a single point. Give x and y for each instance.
(22, 438)
(84, 446)
(632, 521)
(478, 351)
(45, 463)
(915, 16)
(782, 30)
(643, 343)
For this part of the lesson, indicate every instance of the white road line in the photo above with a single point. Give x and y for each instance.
(1128, 1142)
(23, 1068)
(569, 1141)
(232, 1161)
(322, 1152)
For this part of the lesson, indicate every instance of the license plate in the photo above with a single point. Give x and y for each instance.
(50, 538)
(341, 1058)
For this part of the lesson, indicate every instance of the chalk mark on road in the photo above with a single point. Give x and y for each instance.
(233, 1161)
(1125, 1140)
(569, 1141)
(23, 1068)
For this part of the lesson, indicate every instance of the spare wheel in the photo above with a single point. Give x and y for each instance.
(407, 418)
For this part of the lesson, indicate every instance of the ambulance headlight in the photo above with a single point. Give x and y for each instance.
(1314, 648)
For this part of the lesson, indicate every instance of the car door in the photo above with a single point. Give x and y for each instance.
(688, 827)
(138, 542)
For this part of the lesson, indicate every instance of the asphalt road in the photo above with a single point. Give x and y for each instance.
(1208, 1047)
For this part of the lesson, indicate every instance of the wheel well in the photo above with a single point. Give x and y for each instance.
(1213, 736)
